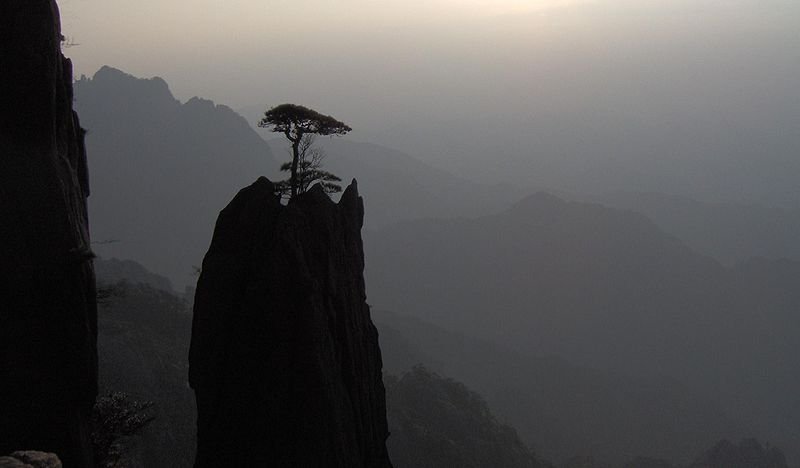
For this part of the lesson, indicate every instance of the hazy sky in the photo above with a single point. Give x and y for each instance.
(243, 51)
(450, 80)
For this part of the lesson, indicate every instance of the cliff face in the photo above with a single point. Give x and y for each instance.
(48, 357)
(284, 357)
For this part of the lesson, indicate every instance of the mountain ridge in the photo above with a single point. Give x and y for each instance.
(165, 165)
(603, 288)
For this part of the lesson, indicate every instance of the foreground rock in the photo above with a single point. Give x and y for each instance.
(48, 357)
(30, 459)
(284, 358)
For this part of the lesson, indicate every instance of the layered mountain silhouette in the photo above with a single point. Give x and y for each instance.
(730, 232)
(161, 169)
(438, 422)
(607, 289)
(603, 288)
(560, 409)
(111, 271)
(170, 167)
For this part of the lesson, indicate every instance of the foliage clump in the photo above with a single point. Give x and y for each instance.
(300, 125)
(116, 417)
(309, 171)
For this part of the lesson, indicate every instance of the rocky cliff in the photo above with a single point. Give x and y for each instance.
(29, 459)
(284, 357)
(48, 358)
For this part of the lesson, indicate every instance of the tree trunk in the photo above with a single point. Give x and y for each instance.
(295, 159)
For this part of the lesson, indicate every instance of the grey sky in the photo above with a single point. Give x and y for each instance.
(439, 78)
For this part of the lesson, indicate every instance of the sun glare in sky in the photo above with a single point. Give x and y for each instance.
(493, 8)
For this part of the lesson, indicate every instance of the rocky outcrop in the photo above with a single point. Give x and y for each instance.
(30, 459)
(284, 357)
(48, 358)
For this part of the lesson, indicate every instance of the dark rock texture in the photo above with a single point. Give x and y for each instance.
(284, 357)
(48, 357)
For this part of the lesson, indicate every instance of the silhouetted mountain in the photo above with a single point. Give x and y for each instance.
(437, 422)
(284, 358)
(729, 232)
(162, 170)
(113, 271)
(559, 409)
(747, 454)
(48, 314)
(545, 276)
(399, 187)
(607, 289)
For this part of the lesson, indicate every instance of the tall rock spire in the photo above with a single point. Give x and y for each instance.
(284, 358)
(48, 316)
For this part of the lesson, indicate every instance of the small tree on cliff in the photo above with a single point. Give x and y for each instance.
(309, 170)
(300, 125)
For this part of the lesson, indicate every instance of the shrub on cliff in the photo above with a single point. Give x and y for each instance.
(115, 417)
(300, 125)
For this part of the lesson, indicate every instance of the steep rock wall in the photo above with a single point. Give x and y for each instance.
(284, 357)
(48, 357)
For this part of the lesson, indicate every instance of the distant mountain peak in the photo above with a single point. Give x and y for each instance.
(113, 79)
(201, 103)
(152, 154)
(110, 73)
